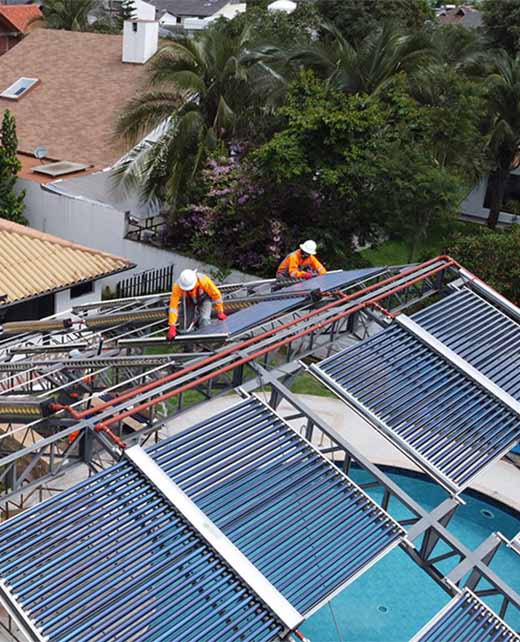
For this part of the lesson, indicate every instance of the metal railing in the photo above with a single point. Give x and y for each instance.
(147, 282)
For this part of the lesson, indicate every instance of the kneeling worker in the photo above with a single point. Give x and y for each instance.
(301, 264)
(198, 291)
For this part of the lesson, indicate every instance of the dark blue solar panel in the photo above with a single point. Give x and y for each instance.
(303, 524)
(445, 422)
(466, 619)
(480, 333)
(251, 316)
(112, 560)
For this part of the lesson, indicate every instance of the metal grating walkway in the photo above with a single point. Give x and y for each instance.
(439, 417)
(303, 523)
(112, 560)
(480, 333)
(466, 619)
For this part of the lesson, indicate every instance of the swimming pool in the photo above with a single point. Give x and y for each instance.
(395, 598)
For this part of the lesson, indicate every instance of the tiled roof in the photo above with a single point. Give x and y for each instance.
(83, 86)
(20, 16)
(34, 263)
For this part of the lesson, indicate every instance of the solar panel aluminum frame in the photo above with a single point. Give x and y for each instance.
(460, 597)
(458, 362)
(17, 613)
(256, 581)
(384, 429)
(337, 470)
(490, 294)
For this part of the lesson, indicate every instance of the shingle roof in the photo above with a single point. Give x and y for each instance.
(34, 263)
(20, 16)
(83, 85)
(202, 8)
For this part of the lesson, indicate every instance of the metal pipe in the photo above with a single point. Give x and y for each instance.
(449, 262)
(188, 386)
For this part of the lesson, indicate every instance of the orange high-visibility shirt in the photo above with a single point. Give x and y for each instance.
(204, 286)
(293, 265)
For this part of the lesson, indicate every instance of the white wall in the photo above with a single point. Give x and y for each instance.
(63, 300)
(193, 24)
(144, 10)
(473, 206)
(102, 228)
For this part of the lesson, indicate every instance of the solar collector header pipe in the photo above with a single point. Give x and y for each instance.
(448, 262)
(103, 425)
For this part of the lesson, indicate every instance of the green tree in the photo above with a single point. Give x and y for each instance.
(71, 15)
(357, 19)
(368, 65)
(273, 28)
(198, 96)
(494, 256)
(11, 202)
(370, 158)
(422, 196)
(502, 23)
(504, 129)
(128, 10)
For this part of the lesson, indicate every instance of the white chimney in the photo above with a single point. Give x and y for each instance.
(140, 40)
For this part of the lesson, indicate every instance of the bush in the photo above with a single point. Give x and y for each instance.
(494, 256)
(245, 222)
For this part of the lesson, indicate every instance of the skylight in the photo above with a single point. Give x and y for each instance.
(19, 88)
(60, 168)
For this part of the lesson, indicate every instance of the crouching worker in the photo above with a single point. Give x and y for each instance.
(301, 264)
(198, 293)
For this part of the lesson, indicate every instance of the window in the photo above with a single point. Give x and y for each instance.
(81, 289)
(19, 88)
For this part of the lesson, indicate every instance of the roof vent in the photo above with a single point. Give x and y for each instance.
(19, 88)
(60, 168)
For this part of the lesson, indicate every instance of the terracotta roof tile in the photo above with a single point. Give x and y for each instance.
(34, 263)
(21, 16)
(83, 85)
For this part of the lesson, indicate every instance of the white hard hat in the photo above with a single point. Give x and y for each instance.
(188, 279)
(309, 247)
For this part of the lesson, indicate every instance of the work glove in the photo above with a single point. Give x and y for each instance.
(172, 333)
(221, 316)
(308, 275)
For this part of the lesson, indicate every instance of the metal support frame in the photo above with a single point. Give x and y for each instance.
(324, 336)
(432, 526)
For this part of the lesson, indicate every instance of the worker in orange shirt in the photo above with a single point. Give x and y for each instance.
(301, 264)
(199, 291)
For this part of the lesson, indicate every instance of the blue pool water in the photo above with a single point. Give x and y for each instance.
(395, 598)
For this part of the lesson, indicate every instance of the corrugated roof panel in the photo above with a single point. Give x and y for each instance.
(304, 524)
(480, 333)
(34, 263)
(439, 417)
(111, 559)
(466, 619)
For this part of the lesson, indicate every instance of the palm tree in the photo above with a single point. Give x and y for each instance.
(197, 97)
(504, 129)
(368, 66)
(71, 15)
